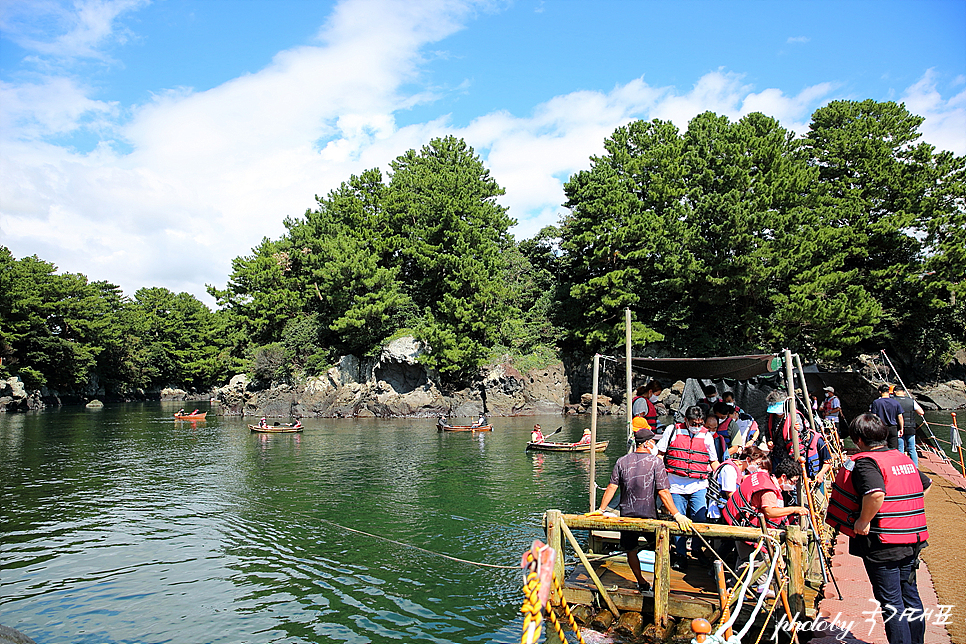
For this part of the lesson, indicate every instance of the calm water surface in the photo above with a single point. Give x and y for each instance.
(122, 525)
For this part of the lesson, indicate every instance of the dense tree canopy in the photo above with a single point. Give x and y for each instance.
(727, 237)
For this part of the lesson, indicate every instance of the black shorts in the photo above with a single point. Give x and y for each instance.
(630, 540)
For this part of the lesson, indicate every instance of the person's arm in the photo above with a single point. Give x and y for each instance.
(609, 492)
(772, 510)
(918, 408)
(826, 466)
(870, 505)
(779, 512)
(926, 483)
(668, 501)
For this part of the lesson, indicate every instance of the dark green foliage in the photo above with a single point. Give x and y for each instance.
(270, 364)
(736, 237)
(728, 237)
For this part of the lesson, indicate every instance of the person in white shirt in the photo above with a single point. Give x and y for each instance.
(689, 457)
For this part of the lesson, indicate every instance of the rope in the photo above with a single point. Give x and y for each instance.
(533, 609)
(387, 539)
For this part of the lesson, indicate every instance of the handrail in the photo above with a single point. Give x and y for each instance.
(713, 530)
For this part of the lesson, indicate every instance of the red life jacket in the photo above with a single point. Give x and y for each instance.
(902, 517)
(650, 413)
(812, 462)
(688, 455)
(739, 510)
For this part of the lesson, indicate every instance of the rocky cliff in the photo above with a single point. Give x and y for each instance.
(15, 397)
(395, 384)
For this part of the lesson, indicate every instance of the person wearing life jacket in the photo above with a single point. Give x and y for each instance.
(645, 401)
(761, 493)
(818, 458)
(585, 439)
(878, 502)
(536, 436)
(722, 483)
(744, 431)
(710, 398)
(689, 457)
(726, 416)
(777, 426)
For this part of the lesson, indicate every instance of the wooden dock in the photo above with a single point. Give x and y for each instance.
(676, 595)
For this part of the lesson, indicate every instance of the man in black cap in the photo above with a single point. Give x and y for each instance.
(641, 478)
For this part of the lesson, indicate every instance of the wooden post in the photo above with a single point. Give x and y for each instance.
(554, 521)
(795, 559)
(719, 577)
(590, 570)
(956, 428)
(792, 412)
(662, 575)
(808, 401)
(629, 374)
(593, 435)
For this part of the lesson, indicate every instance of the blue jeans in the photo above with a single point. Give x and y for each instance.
(695, 507)
(895, 593)
(907, 445)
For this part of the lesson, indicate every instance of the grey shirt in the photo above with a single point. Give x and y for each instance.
(639, 476)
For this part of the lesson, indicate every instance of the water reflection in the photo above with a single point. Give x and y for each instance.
(119, 527)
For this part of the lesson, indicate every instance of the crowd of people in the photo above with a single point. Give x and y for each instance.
(722, 465)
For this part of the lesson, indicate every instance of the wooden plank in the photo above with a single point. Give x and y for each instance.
(590, 570)
(553, 520)
(795, 560)
(681, 606)
(662, 575)
(707, 530)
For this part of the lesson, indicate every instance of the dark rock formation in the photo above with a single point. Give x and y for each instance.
(395, 384)
(15, 397)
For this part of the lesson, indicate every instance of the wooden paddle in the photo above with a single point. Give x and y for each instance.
(556, 431)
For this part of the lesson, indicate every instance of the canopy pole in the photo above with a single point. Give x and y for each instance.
(593, 435)
(808, 399)
(793, 414)
(630, 378)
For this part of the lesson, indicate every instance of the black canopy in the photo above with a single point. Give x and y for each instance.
(737, 367)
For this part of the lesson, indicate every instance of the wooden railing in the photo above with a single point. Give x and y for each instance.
(558, 526)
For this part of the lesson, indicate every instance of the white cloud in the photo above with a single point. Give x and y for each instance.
(211, 173)
(82, 28)
(798, 40)
(945, 124)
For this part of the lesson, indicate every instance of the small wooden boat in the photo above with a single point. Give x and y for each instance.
(464, 428)
(566, 447)
(200, 416)
(284, 428)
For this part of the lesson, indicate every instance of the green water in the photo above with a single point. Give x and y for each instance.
(122, 525)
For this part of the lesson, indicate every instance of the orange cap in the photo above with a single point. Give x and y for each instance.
(640, 422)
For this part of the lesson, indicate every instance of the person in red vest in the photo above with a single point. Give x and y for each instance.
(689, 457)
(645, 401)
(761, 493)
(878, 502)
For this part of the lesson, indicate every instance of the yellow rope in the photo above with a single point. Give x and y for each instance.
(533, 611)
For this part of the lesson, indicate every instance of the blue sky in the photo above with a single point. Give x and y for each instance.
(149, 142)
